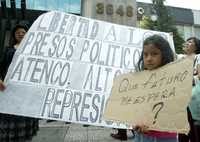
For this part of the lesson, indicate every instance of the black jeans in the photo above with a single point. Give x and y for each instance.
(194, 133)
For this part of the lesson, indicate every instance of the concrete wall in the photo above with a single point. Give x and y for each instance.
(115, 11)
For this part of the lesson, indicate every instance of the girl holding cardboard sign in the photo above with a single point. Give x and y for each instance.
(156, 53)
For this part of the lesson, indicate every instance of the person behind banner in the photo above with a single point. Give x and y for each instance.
(156, 53)
(192, 47)
(15, 128)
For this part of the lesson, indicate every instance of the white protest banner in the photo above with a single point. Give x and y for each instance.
(65, 65)
(157, 98)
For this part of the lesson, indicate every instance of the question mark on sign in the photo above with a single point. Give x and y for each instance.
(159, 106)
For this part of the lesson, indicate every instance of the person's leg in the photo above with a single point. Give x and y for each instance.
(183, 138)
(196, 132)
(121, 134)
(192, 127)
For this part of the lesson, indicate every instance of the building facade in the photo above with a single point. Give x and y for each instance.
(187, 20)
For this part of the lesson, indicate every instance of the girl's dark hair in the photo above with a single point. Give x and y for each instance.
(197, 44)
(160, 43)
(15, 29)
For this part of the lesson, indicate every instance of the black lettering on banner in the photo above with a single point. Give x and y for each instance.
(122, 58)
(114, 47)
(71, 25)
(108, 55)
(63, 23)
(108, 71)
(76, 101)
(56, 102)
(48, 101)
(131, 36)
(95, 30)
(43, 43)
(46, 72)
(71, 46)
(94, 77)
(97, 87)
(61, 46)
(54, 22)
(85, 46)
(56, 68)
(17, 71)
(64, 74)
(102, 108)
(126, 51)
(29, 39)
(96, 98)
(136, 56)
(40, 28)
(85, 107)
(99, 61)
(95, 51)
(89, 78)
(35, 47)
(30, 63)
(71, 105)
(64, 70)
(66, 101)
(55, 42)
(36, 70)
(83, 28)
(111, 35)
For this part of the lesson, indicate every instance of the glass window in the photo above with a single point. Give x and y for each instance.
(17, 3)
(71, 6)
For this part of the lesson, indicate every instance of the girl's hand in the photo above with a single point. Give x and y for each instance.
(2, 86)
(141, 128)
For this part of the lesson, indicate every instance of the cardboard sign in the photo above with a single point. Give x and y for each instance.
(156, 98)
(65, 65)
